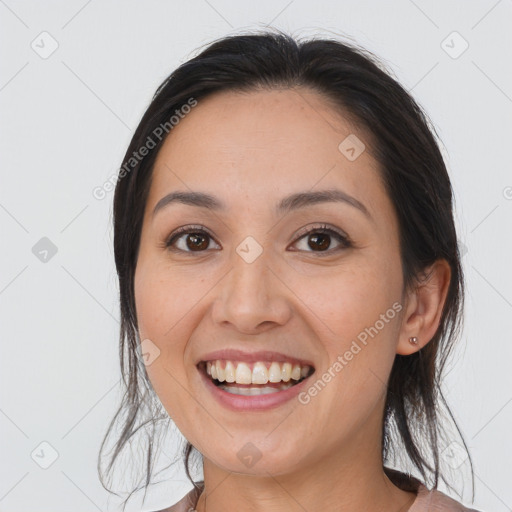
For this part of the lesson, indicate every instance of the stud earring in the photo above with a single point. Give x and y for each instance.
(413, 340)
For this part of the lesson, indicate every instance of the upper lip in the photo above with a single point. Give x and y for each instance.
(251, 357)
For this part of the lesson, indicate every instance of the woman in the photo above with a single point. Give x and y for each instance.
(290, 280)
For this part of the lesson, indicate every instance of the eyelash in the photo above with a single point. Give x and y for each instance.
(323, 229)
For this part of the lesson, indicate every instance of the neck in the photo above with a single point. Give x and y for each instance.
(349, 479)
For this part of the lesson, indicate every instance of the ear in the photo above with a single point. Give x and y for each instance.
(424, 306)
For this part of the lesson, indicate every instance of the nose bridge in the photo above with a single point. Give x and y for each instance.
(250, 272)
(250, 292)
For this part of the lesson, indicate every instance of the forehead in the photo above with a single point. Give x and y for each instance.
(264, 145)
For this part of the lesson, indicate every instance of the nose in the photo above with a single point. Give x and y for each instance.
(252, 297)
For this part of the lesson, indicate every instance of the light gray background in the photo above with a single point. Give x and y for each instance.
(66, 121)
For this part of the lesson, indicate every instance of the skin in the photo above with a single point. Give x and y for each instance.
(250, 150)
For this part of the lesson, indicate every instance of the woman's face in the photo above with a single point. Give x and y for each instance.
(256, 281)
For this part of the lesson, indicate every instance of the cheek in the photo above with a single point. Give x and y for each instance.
(356, 314)
(162, 298)
(359, 341)
(159, 309)
(166, 317)
(345, 301)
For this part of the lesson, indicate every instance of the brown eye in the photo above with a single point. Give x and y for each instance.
(196, 241)
(189, 239)
(319, 240)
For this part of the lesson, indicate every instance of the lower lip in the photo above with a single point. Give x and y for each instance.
(253, 402)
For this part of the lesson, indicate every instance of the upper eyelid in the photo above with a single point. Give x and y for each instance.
(324, 226)
(183, 230)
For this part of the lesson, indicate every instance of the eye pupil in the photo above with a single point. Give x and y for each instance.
(194, 238)
(323, 238)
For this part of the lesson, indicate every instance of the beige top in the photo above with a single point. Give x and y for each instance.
(433, 501)
(426, 501)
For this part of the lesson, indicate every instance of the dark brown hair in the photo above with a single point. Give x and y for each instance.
(402, 140)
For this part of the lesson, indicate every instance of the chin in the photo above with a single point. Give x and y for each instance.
(252, 460)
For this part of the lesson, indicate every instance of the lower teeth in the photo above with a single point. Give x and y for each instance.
(252, 391)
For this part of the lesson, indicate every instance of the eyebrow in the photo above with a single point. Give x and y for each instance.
(287, 204)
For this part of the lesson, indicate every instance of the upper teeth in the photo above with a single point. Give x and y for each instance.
(255, 373)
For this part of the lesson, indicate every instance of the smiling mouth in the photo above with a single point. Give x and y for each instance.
(257, 378)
